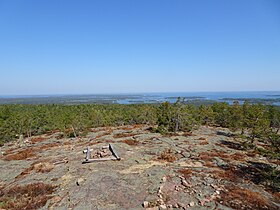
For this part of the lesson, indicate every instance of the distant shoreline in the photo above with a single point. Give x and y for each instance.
(197, 98)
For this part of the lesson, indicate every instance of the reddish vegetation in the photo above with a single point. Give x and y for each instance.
(202, 138)
(203, 143)
(31, 196)
(130, 142)
(277, 195)
(51, 132)
(167, 155)
(251, 154)
(103, 134)
(122, 135)
(31, 152)
(238, 156)
(240, 198)
(185, 172)
(37, 139)
(171, 134)
(21, 155)
(209, 164)
(48, 146)
(38, 167)
(132, 127)
(229, 174)
(208, 156)
(11, 150)
(107, 129)
(186, 134)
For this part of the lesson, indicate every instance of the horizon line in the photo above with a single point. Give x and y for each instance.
(134, 93)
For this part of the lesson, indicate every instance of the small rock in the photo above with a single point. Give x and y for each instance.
(43, 167)
(191, 204)
(221, 163)
(145, 204)
(162, 207)
(79, 181)
(175, 205)
(186, 154)
(177, 188)
(160, 201)
(185, 183)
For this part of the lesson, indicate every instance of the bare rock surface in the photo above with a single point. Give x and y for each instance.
(196, 171)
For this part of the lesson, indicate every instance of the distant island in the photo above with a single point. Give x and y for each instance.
(196, 98)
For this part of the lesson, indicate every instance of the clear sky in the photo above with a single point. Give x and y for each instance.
(126, 46)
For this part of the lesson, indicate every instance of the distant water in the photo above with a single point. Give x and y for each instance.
(266, 97)
(272, 97)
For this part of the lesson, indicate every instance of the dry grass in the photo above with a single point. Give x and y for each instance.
(31, 196)
(209, 164)
(131, 127)
(185, 172)
(21, 155)
(186, 134)
(240, 198)
(167, 155)
(203, 143)
(48, 146)
(229, 175)
(49, 133)
(237, 156)
(130, 142)
(277, 196)
(208, 156)
(38, 167)
(123, 135)
(43, 167)
(37, 139)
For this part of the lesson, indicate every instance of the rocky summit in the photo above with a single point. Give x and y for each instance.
(203, 169)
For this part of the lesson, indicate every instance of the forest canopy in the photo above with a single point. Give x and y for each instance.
(249, 121)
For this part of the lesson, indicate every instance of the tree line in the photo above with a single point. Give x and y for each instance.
(248, 121)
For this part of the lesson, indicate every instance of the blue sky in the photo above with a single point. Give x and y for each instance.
(127, 46)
